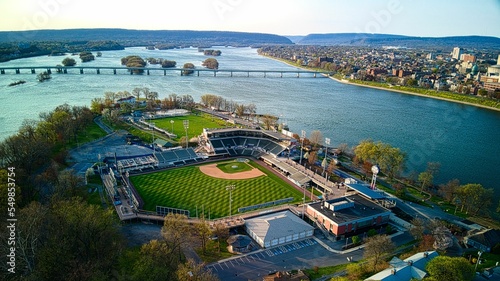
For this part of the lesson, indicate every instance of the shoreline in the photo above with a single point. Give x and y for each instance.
(346, 82)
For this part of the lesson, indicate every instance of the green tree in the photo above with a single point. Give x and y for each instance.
(391, 160)
(376, 247)
(156, 262)
(448, 268)
(222, 233)
(82, 242)
(240, 110)
(176, 232)
(269, 121)
(425, 179)
(86, 56)
(69, 62)
(204, 233)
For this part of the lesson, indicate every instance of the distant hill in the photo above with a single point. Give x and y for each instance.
(378, 40)
(128, 37)
(295, 38)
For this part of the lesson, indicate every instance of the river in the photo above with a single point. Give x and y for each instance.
(463, 138)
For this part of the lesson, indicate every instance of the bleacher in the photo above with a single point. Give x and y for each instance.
(178, 156)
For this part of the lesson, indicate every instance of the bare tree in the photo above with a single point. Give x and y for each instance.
(316, 138)
(376, 247)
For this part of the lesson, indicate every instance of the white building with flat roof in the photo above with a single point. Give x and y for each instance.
(277, 228)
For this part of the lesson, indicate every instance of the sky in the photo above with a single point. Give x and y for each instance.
(429, 18)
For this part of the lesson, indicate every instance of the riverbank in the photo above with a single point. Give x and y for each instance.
(343, 81)
(348, 82)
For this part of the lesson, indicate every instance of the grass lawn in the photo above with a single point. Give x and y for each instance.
(188, 188)
(234, 167)
(196, 124)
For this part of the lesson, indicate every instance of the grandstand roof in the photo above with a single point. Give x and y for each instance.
(365, 191)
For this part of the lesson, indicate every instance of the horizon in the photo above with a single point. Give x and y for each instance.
(285, 18)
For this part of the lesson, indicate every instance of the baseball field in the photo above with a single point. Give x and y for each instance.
(203, 187)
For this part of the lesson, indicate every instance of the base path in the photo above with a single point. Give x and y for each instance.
(212, 171)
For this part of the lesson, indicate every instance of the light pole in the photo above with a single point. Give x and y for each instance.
(186, 126)
(172, 122)
(302, 136)
(230, 188)
(152, 125)
(478, 258)
(304, 201)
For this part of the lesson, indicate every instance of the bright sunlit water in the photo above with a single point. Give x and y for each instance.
(464, 139)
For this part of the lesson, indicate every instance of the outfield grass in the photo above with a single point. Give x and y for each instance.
(188, 188)
(196, 124)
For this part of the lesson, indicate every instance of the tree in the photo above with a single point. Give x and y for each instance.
(192, 271)
(157, 261)
(69, 62)
(474, 197)
(376, 247)
(448, 268)
(222, 233)
(176, 232)
(211, 63)
(316, 138)
(86, 56)
(188, 66)
(43, 76)
(82, 242)
(417, 229)
(204, 233)
(168, 63)
(134, 62)
(448, 191)
(426, 179)
(391, 160)
(240, 110)
(269, 121)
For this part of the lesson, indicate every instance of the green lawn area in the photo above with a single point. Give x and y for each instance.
(196, 124)
(188, 188)
(234, 167)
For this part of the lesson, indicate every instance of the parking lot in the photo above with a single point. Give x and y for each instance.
(296, 255)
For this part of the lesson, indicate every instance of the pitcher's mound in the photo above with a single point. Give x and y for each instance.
(213, 171)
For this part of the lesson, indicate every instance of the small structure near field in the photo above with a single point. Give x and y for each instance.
(238, 244)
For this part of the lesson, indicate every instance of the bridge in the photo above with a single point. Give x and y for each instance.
(149, 70)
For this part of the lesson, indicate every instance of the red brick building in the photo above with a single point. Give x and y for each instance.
(348, 215)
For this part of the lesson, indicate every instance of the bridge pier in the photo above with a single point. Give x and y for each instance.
(248, 74)
(314, 75)
(231, 74)
(2, 71)
(81, 70)
(114, 71)
(49, 71)
(265, 74)
(147, 72)
(281, 74)
(164, 72)
(298, 74)
(18, 71)
(182, 73)
(33, 71)
(98, 71)
(198, 73)
(215, 73)
(65, 71)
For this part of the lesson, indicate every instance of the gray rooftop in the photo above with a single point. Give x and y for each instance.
(353, 208)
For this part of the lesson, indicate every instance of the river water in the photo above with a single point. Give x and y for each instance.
(464, 139)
